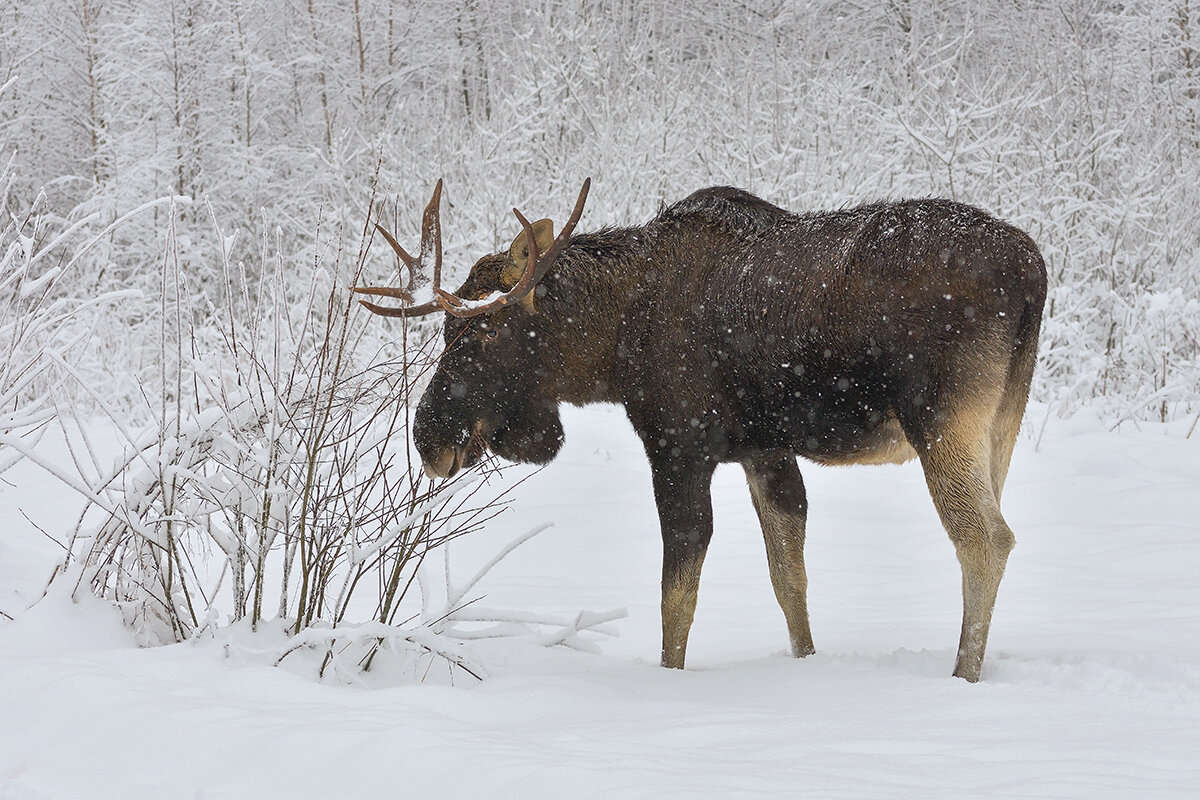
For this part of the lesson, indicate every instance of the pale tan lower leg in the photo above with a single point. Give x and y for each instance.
(679, 594)
(961, 480)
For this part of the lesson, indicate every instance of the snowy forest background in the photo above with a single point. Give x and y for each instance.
(284, 121)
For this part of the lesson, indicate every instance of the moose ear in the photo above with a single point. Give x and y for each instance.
(543, 234)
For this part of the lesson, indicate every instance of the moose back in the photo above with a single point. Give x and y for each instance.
(734, 331)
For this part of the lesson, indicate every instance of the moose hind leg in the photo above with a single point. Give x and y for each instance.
(777, 489)
(959, 475)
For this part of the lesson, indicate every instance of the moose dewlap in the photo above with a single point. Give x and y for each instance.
(734, 331)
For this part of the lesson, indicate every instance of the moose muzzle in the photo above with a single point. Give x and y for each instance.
(449, 461)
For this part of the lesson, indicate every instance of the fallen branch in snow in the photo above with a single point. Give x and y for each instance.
(370, 637)
(442, 634)
(449, 643)
(563, 631)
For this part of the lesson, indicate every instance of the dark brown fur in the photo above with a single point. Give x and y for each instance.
(734, 331)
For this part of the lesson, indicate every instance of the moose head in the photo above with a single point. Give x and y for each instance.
(489, 389)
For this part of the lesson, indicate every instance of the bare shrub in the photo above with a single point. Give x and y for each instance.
(276, 481)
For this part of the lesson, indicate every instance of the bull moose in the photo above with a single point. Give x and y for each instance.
(734, 331)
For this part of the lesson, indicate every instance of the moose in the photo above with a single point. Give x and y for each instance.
(732, 330)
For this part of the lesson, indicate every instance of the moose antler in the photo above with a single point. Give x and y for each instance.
(431, 239)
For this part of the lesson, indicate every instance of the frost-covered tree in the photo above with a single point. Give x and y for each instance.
(1076, 119)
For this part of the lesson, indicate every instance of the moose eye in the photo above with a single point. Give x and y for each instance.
(491, 334)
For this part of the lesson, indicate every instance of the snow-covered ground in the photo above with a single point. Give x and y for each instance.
(1091, 686)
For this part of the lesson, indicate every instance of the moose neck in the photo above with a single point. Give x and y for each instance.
(592, 285)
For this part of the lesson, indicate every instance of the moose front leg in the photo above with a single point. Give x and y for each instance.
(683, 495)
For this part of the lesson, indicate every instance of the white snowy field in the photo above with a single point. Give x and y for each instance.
(1091, 687)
